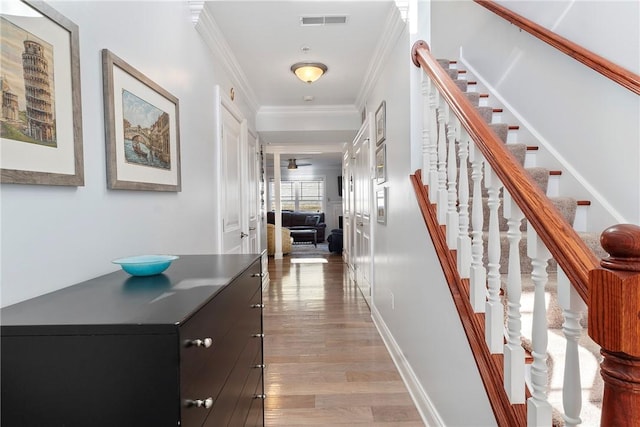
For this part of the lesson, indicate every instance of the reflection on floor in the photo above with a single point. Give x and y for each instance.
(325, 362)
(309, 261)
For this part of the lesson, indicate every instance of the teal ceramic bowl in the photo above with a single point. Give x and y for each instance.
(145, 265)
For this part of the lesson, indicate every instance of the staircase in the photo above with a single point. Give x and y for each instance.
(567, 207)
(524, 281)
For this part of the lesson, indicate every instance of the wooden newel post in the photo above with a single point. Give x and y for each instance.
(614, 323)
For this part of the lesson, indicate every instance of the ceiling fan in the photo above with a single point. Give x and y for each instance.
(293, 164)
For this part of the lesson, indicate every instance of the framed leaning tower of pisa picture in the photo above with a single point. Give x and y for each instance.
(41, 118)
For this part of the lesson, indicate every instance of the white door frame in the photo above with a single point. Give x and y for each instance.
(251, 194)
(362, 169)
(221, 101)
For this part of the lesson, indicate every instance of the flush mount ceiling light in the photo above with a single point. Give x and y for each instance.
(309, 72)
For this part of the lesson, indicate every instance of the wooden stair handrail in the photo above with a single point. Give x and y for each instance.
(618, 74)
(572, 254)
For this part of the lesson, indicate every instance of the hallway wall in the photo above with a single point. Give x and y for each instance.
(410, 294)
(53, 237)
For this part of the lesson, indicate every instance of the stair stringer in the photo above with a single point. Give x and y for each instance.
(490, 366)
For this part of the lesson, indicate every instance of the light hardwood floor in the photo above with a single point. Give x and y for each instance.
(325, 362)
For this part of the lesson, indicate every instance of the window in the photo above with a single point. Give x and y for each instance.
(300, 195)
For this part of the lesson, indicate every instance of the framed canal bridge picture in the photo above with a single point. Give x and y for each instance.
(141, 130)
(41, 116)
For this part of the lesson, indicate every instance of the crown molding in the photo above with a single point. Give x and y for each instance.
(208, 28)
(403, 8)
(195, 6)
(393, 28)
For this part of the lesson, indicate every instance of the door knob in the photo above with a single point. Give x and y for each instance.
(243, 234)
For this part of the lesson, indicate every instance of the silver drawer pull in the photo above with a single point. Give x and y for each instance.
(257, 305)
(206, 403)
(206, 343)
(259, 396)
(257, 275)
(258, 335)
(260, 366)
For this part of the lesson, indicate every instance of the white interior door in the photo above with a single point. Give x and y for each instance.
(251, 243)
(233, 145)
(347, 216)
(362, 212)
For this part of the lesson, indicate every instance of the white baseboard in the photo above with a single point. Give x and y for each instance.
(425, 407)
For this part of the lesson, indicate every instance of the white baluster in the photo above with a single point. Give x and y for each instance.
(452, 172)
(478, 279)
(538, 407)
(443, 117)
(572, 307)
(426, 127)
(464, 241)
(494, 318)
(513, 352)
(434, 100)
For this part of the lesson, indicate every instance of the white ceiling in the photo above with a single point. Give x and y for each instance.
(266, 37)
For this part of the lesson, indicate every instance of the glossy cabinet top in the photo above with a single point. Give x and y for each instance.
(150, 304)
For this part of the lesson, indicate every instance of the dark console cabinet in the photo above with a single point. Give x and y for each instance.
(183, 348)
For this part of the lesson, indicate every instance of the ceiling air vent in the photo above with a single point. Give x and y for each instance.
(322, 20)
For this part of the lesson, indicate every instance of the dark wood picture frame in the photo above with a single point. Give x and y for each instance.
(62, 163)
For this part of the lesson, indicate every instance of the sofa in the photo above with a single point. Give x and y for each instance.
(301, 221)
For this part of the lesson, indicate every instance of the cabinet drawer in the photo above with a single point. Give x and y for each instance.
(250, 362)
(255, 417)
(251, 398)
(229, 322)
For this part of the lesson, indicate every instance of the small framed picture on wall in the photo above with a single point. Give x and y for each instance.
(381, 205)
(381, 125)
(381, 164)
